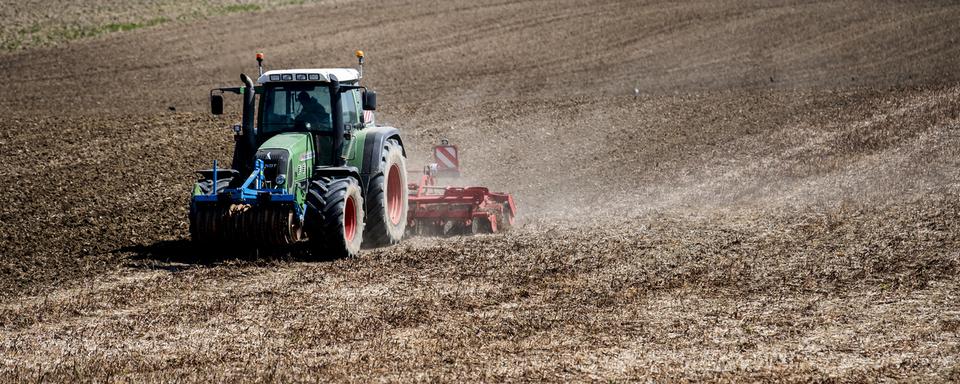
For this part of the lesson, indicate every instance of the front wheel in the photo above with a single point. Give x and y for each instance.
(334, 218)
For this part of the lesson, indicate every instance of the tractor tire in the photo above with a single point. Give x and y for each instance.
(222, 183)
(333, 220)
(387, 199)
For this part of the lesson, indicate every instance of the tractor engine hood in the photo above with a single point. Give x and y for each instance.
(286, 159)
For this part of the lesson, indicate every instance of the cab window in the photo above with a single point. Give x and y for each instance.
(349, 102)
(288, 107)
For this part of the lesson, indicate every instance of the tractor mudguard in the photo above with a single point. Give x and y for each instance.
(207, 174)
(376, 138)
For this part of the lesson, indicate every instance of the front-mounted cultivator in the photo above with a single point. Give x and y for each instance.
(251, 212)
(454, 210)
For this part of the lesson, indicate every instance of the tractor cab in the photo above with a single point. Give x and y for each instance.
(326, 104)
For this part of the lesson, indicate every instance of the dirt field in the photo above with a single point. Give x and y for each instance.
(780, 201)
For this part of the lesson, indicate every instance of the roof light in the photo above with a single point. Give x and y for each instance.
(260, 63)
(359, 54)
(301, 76)
(314, 76)
(286, 76)
(274, 77)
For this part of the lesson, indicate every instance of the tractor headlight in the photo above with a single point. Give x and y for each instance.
(281, 179)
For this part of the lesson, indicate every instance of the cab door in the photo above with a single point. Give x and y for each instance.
(350, 105)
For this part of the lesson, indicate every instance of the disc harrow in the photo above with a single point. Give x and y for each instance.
(451, 210)
(247, 215)
(245, 224)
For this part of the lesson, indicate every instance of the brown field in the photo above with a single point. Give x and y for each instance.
(781, 201)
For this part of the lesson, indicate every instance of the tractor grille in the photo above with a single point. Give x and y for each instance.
(275, 163)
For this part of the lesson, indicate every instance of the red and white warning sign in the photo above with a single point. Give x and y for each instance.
(446, 157)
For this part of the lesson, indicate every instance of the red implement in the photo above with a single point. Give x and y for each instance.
(449, 210)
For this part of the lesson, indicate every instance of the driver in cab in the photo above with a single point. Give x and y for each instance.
(312, 112)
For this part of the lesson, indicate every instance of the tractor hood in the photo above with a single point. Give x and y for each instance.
(290, 141)
(288, 155)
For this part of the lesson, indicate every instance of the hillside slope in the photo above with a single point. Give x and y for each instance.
(778, 201)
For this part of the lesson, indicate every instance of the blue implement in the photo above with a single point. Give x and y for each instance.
(250, 192)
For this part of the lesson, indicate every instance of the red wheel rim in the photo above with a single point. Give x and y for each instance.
(350, 219)
(394, 194)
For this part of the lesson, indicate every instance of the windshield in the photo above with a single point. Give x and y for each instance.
(288, 107)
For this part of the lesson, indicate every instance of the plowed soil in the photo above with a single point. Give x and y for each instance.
(709, 190)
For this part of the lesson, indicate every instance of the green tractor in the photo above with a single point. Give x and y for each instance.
(309, 166)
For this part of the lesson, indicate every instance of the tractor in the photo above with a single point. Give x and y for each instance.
(310, 166)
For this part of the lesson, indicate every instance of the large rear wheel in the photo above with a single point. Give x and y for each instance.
(334, 218)
(387, 198)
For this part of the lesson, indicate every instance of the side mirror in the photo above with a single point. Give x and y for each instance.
(370, 100)
(216, 104)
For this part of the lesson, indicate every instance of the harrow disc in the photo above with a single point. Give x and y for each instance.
(246, 225)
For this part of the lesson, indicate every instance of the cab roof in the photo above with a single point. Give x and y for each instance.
(321, 74)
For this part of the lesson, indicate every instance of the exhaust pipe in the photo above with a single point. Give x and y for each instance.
(247, 143)
(337, 117)
(248, 108)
